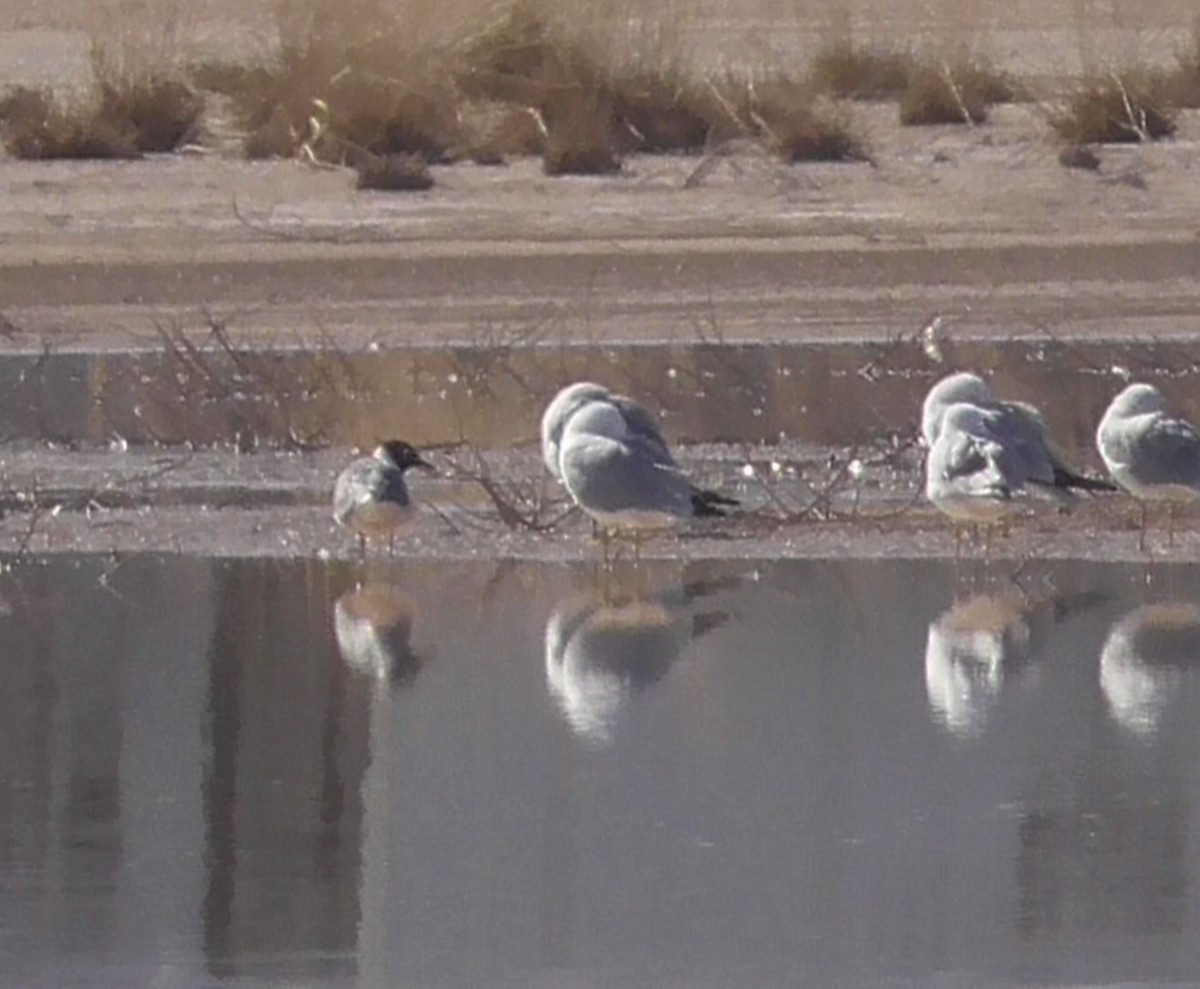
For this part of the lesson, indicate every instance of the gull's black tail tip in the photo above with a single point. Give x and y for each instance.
(711, 504)
(1067, 479)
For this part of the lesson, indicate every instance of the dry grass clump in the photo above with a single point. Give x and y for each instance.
(35, 124)
(1121, 108)
(497, 131)
(1181, 84)
(525, 60)
(341, 98)
(347, 79)
(394, 173)
(666, 109)
(593, 99)
(795, 124)
(930, 90)
(948, 94)
(855, 73)
(1079, 156)
(124, 114)
(581, 141)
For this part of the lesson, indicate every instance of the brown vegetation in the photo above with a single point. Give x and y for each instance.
(1180, 85)
(356, 82)
(954, 92)
(1125, 107)
(854, 73)
(1079, 156)
(361, 103)
(929, 90)
(394, 173)
(124, 115)
(594, 102)
(793, 123)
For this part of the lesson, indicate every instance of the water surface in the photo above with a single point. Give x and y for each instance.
(843, 774)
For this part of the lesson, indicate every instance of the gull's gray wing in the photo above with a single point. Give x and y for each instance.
(609, 476)
(1159, 450)
(968, 464)
(1021, 429)
(645, 427)
(365, 482)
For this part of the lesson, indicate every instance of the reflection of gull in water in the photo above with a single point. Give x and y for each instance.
(975, 645)
(1145, 657)
(966, 654)
(598, 654)
(373, 627)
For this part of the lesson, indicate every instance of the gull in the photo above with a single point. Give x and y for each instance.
(1145, 658)
(971, 475)
(1019, 426)
(639, 422)
(1150, 454)
(574, 397)
(625, 480)
(370, 495)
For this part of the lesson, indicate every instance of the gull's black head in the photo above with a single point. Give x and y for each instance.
(402, 455)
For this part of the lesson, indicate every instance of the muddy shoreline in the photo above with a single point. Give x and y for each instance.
(797, 502)
(217, 312)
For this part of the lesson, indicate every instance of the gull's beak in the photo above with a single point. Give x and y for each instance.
(424, 465)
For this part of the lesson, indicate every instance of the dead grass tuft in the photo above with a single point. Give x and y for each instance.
(854, 73)
(666, 109)
(794, 123)
(943, 95)
(336, 101)
(1079, 156)
(930, 90)
(124, 114)
(394, 173)
(581, 141)
(499, 131)
(35, 125)
(345, 79)
(597, 94)
(1181, 84)
(1121, 108)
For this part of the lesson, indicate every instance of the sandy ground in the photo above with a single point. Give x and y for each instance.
(980, 226)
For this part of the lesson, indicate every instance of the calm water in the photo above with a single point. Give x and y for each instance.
(819, 773)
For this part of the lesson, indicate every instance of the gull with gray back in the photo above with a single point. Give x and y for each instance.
(1019, 426)
(622, 479)
(971, 474)
(371, 497)
(573, 397)
(1150, 453)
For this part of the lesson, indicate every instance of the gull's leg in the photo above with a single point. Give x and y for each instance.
(637, 547)
(1142, 529)
(362, 546)
(1170, 523)
(391, 543)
